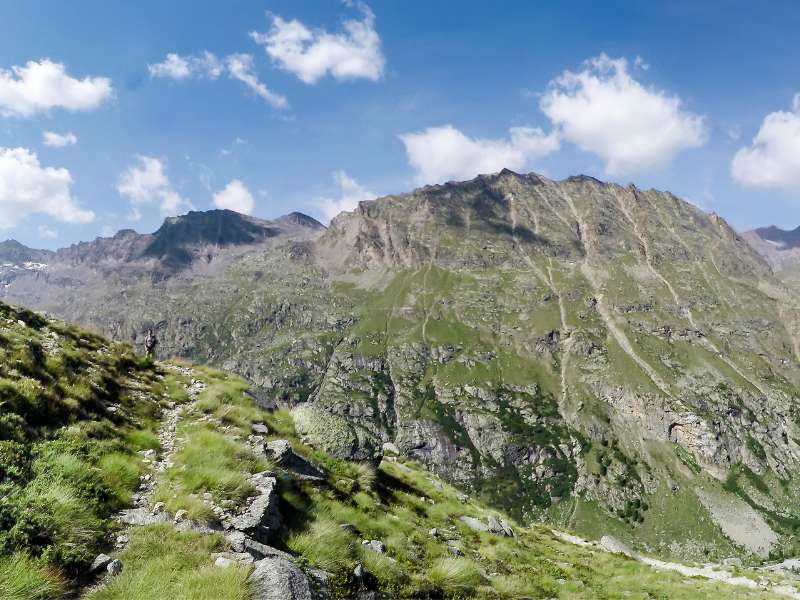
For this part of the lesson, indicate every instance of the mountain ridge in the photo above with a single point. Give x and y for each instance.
(572, 350)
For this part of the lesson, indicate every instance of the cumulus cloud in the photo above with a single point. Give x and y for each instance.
(351, 192)
(234, 196)
(44, 85)
(46, 233)
(604, 110)
(58, 140)
(439, 154)
(240, 66)
(353, 53)
(146, 183)
(773, 158)
(176, 66)
(26, 188)
(208, 66)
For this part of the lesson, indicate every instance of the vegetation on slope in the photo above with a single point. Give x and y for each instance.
(71, 456)
(74, 411)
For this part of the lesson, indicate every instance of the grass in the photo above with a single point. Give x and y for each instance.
(210, 462)
(22, 578)
(455, 576)
(163, 564)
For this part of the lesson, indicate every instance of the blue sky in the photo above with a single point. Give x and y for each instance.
(379, 98)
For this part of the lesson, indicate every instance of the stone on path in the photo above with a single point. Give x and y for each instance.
(100, 562)
(114, 567)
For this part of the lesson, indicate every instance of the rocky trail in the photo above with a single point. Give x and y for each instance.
(275, 574)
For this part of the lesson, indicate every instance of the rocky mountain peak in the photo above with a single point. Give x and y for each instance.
(12, 251)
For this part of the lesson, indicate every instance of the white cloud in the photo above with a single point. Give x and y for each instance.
(146, 183)
(240, 66)
(208, 66)
(46, 233)
(44, 85)
(351, 192)
(604, 110)
(354, 53)
(440, 154)
(58, 140)
(234, 196)
(27, 188)
(773, 158)
(176, 66)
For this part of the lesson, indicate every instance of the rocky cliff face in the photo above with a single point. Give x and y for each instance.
(578, 351)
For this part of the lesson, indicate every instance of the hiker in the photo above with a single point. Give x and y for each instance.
(150, 343)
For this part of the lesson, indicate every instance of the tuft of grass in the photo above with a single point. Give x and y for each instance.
(455, 575)
(163, 564)
(120, 471)
(325, 545)
(142, 439)
(22, 578)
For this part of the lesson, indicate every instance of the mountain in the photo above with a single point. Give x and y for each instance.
(781, 249)
(604, 358)
(123, 478)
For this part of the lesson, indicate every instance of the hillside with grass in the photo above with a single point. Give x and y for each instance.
(125, 479)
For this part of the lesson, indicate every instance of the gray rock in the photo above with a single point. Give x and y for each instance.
(241, 542)
(261, 519)
(474, 524)
(114, 567)
(499, 527)
(615, 546)
(224, 562)
(278, 578)
(141, 516)
(282, 453)
(374, 545)
(358, 572)
(336, 434)
(101, 561)
(259, 429)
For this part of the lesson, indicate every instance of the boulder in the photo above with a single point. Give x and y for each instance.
(114, 567)
(241, 542)
(282, 453)
(259, 429)
(615, 546)
(100, 562)
(474, 524)
(261, 519)
(499, 527)
(278, 578)
(336, 435)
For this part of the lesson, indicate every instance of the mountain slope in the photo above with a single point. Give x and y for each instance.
(164, 467)
(606, 358)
